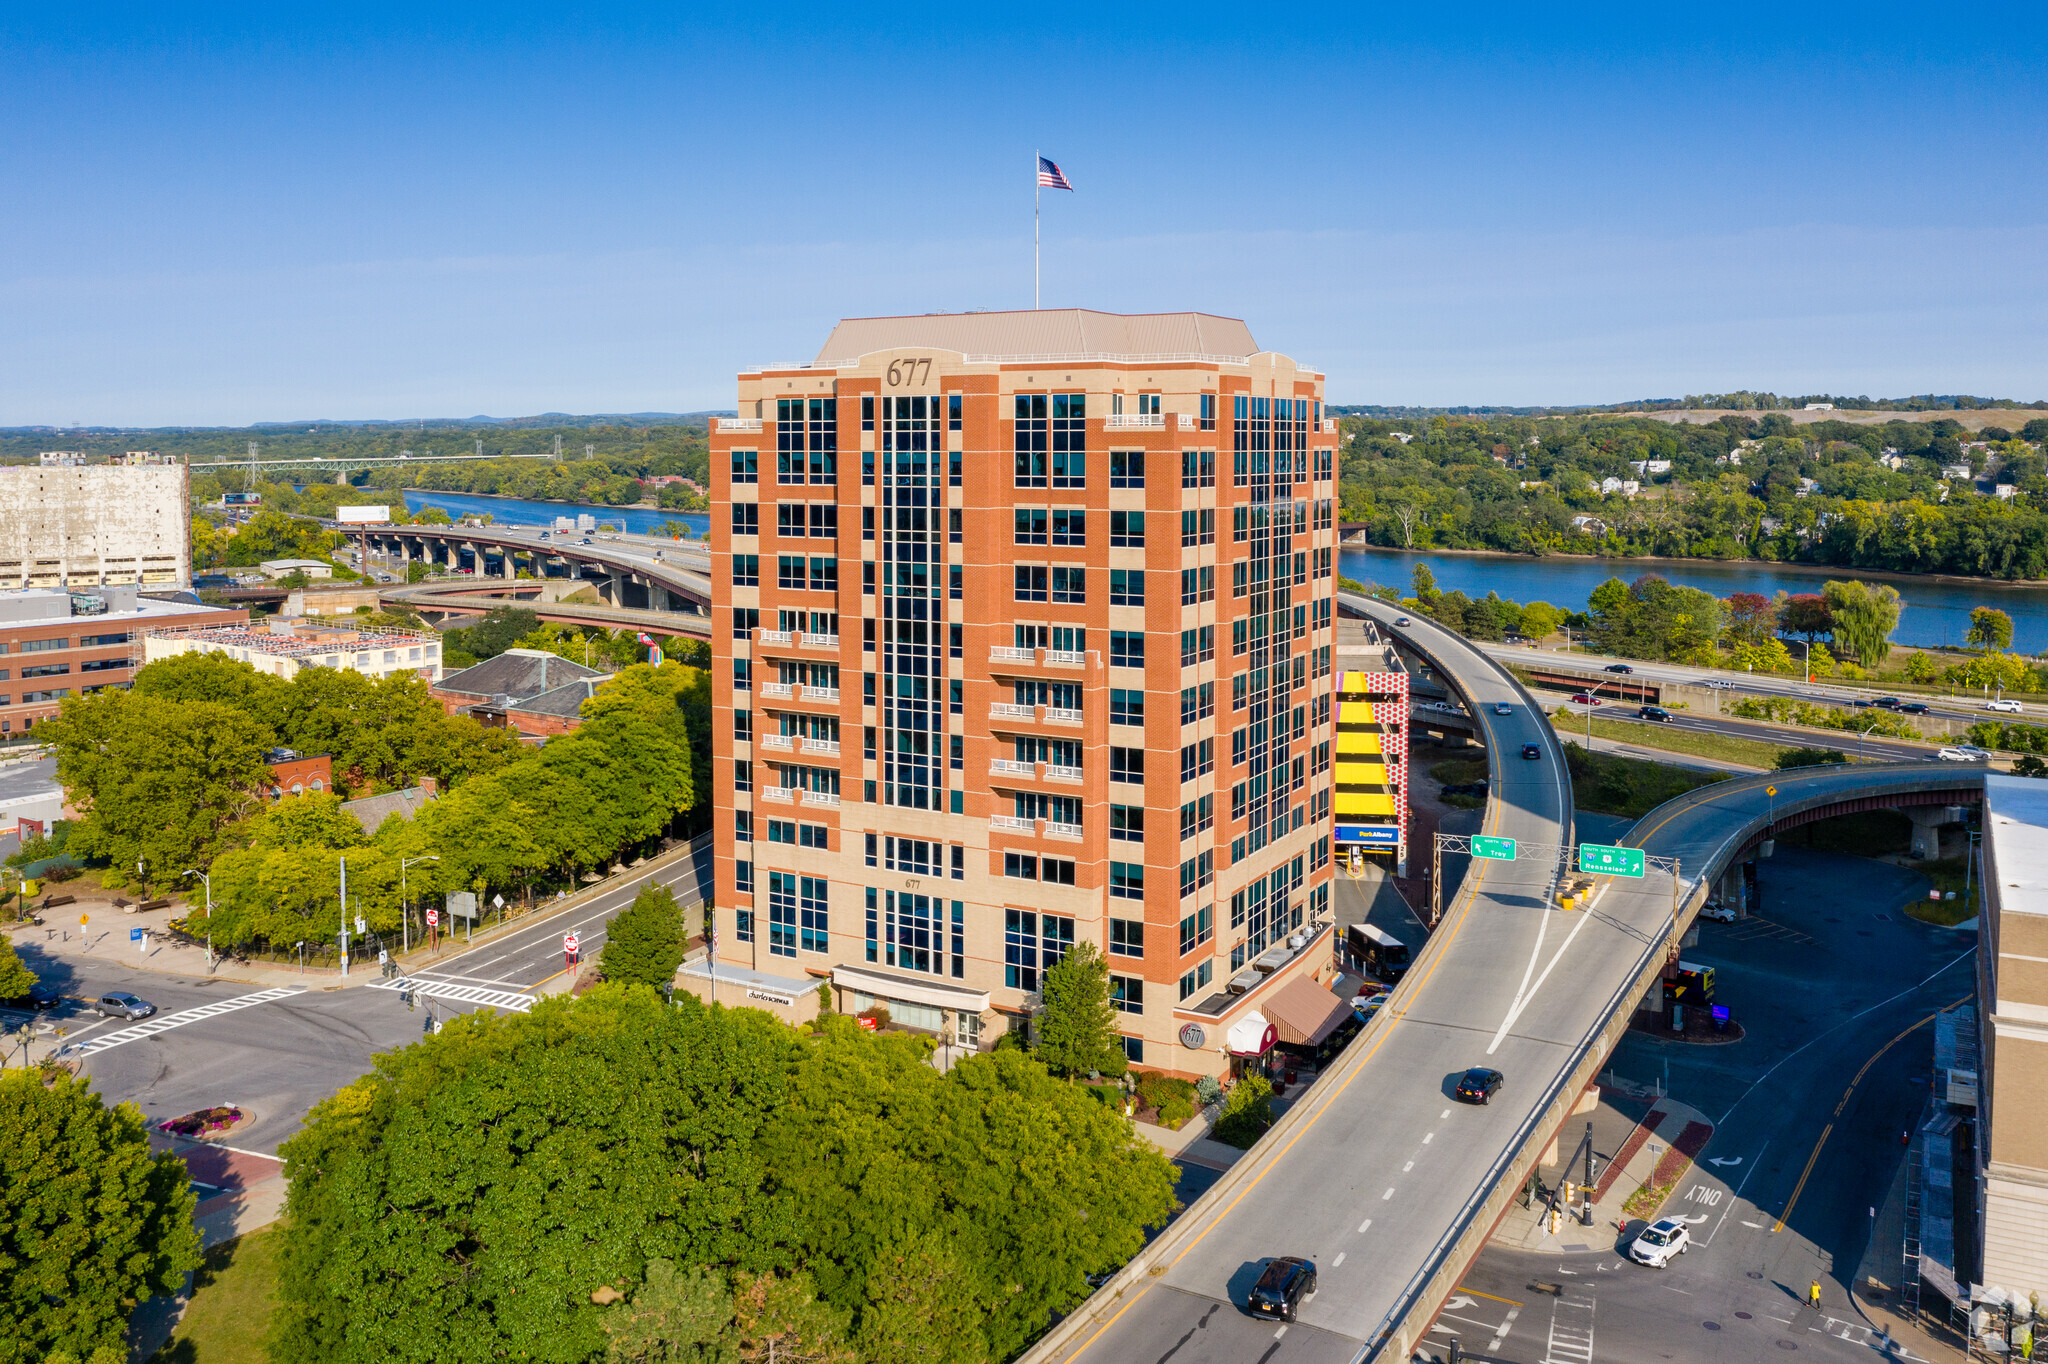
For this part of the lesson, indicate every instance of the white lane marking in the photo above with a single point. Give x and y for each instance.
(1406, 1168)
(1363, 1225)
(1338, 1261)
(459, 994)
(470, 980)
(165, 1022)
(1738, 1197)
(1279, 1333)
(1445, 1114)
(1522, 1001)
(1428, 1137)
(1387, 1195)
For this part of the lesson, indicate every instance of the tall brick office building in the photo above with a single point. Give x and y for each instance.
(1023, 639)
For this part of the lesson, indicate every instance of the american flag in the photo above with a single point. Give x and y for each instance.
(1051, 176)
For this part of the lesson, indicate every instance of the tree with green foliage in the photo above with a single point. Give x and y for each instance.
(1810, 757)
(922, 1306)
(499, 629)
(621, 1130)
(644, 941)
(1990, 628)
(153, 780)
(1076, 1030)
(1425, 585)
(1865, 614)
(16, 980)
(1247, 1112)
(1539, 620)
(91, 1222)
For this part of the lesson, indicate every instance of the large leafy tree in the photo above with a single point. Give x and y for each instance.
(1076, 1030)
(464, 1201)
(1990, 628)
(155, 780)
(16, 979)
(1865, 614)
(91, 1222)
(644, 942)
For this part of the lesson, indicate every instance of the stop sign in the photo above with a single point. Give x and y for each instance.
(568, 942)
(433, 917)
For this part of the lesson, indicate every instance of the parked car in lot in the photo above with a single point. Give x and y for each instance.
(1582, 699)
(1281, 1287)
(1718, 912)
(1532, 750)
(39, 998)
(1656, 713)
(2002, 704)
(1963, 753)
(1658, 1244)
(1478, 1085)
(123, 1006)
(1618, 668)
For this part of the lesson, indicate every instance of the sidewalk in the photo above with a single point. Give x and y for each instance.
(1669, 1136)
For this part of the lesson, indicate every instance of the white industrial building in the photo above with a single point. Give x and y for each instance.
(103, 525)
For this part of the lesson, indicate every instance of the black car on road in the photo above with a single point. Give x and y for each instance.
(1478, 1085)
(38, 998)
(1281, 1287)
(1532, 750)
(1655, 713)
(1618, 668)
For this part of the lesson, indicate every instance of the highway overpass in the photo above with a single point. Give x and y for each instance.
(439, 599)
(1378, 1175)
(632, 573)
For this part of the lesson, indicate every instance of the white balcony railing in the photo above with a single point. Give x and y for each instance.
(1070, 832)
(1188, 421)
(821, 693)
(826, 746)
(782, 795)
(1060, 715)
(1135, 421)
(775, 691)
(1010, 767)
(812, 641)
(1010, 824)
(1007, 710)
(828, 799)
(738, 423)
(1003, 653)
(1055, 772)
(774, 636)
(1065, 658)
(781, 741)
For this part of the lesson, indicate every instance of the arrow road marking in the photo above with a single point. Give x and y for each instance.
(1459, 1300)
(1724, 1160)
(165, 1022)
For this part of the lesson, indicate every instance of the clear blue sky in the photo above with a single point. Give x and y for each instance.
(233, 214)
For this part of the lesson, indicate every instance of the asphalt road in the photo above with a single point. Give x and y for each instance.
(1836, 988)
(1740, 683)
(532, 954)
(1369, 1185)
(1888, 750)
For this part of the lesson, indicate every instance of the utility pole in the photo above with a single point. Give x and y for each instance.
(558, 447)
(209, 915)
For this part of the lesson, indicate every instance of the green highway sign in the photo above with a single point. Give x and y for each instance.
(1500, 849)
(1606, 861)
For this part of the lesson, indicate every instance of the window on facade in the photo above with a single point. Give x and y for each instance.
(1031, 440)
(1127, 994)
(1126, 764)
(1127, 468)
(1127, 880)
(743, 877)
(1069, 440)
(1126, 649)
(1070, 525)
(1126, 587)
(1070, 584)
(1197, 758)
(746, 570)
(1030, 582)
(1127, 529)
(1031, 526)
(745, 468)
(746, 518)
(1127, 823)
(1126, 707)
(1127, 937)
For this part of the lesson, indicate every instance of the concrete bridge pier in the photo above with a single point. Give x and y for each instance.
(1927, 822)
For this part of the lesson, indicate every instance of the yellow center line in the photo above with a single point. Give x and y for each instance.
(1512, 1302)
(1825, 1132)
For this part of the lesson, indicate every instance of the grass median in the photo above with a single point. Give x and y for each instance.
(1725, 748)
(228, 1317)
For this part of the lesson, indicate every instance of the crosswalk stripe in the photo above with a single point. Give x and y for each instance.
(460, 994)
(151, 1027)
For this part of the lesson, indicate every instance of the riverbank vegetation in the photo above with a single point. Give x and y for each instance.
(1901, 497)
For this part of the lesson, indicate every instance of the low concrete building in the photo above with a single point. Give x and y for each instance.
(284, 645)
(312, 568)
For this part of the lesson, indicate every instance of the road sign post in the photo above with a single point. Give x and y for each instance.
(570, 949)
(1499, 849)
(1601, 859)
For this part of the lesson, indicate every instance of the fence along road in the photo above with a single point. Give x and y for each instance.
(1377, 1172)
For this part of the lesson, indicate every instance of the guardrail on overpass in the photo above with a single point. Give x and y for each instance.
(683, 588)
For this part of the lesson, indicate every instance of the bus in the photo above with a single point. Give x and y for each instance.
(1384, 955)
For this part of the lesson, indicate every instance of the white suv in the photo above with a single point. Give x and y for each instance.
(1964, 753)
(2001, 704)
(1658, 1244)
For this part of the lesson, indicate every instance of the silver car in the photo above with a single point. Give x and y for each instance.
(123, 1006)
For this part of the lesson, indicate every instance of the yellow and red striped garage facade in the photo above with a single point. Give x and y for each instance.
(1372, 763)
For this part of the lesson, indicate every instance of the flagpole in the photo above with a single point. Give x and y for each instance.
(1034, 229)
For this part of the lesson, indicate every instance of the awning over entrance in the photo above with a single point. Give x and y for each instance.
(1305, 1013)
(739, 985)
(1251, 1035)
(910, 989)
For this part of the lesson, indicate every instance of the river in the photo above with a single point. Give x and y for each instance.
(1937, 611)
(519, 511)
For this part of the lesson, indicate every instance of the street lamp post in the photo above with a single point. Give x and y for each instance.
(405, 909)
(209, 915)
(1806, 658)
(1861, 737)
